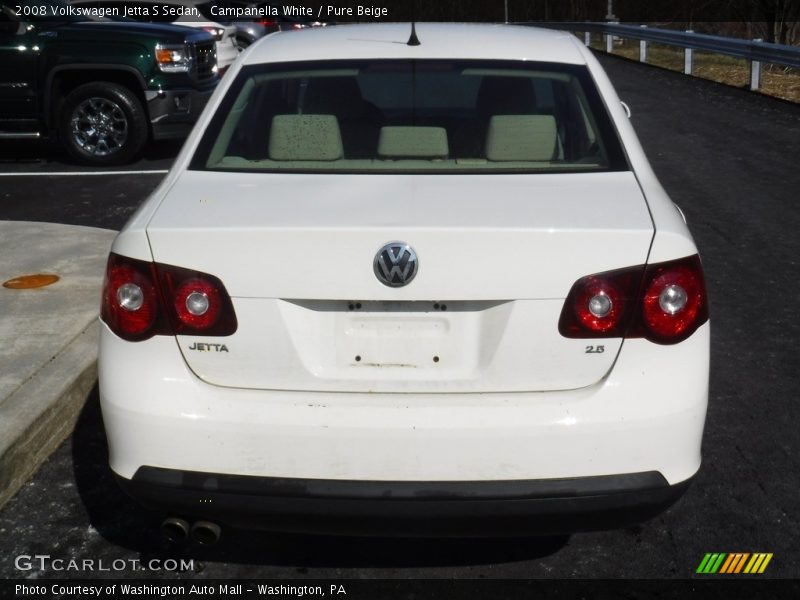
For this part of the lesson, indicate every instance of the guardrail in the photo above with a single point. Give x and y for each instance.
(755, 51)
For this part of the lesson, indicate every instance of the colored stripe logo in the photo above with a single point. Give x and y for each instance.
(734, 563)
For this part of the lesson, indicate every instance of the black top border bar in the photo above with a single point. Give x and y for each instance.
(777, 13)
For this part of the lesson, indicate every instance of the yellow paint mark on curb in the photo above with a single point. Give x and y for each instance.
(28, 282)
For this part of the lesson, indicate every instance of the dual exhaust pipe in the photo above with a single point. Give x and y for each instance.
(204, 533)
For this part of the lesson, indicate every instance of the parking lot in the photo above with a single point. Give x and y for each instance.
(727, 157)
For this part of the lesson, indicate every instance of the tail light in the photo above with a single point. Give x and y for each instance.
(130, 299)
(143, 299)
(663, 302)
(601, 305)
(268, 22)
(674, 300)
(196, 303)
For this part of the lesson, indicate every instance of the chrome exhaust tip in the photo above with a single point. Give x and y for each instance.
(175, 529)
(205, 533)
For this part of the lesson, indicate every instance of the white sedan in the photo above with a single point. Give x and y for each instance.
(407, 284)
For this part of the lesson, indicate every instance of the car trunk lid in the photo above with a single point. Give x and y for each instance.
(497, 256)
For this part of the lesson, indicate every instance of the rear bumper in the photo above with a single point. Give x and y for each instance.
(611, 454)
(173, 112)
(646, 415)
(555, 506)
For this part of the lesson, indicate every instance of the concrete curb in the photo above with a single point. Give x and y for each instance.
(48, 406)
(48, 339)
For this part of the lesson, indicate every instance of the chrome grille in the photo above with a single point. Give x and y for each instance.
(204, 56)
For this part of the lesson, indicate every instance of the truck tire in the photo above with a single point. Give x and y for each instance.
(102, 123)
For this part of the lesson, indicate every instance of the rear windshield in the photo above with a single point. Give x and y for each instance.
(411, 116)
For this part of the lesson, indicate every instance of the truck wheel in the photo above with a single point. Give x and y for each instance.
(102, 123)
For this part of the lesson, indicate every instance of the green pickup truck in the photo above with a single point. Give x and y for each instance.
(102, 87)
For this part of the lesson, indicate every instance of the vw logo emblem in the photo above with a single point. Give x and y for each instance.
(395, 264)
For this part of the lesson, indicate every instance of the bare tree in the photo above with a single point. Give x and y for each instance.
(775, 21)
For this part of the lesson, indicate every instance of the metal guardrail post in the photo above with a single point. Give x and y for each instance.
(754, 51)
(643, 48)
(688, 58)
(755, 72)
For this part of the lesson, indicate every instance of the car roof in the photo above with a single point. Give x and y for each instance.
(438, 41)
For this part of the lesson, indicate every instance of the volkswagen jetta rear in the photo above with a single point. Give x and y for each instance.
(385, 282)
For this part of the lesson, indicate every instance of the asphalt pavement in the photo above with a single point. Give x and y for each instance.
(729, 159)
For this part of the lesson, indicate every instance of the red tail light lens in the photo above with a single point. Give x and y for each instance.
(197, 303)
(674, 302)
(142, 299)
(664, 302)
(600, 305)
(130, 299)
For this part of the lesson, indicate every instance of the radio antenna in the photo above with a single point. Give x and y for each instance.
(413, 40)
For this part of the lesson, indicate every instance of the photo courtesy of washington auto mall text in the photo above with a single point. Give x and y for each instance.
(173, 590)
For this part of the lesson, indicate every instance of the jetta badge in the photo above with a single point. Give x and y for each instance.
(395, 264)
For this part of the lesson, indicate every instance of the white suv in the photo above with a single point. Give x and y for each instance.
(401, 287)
